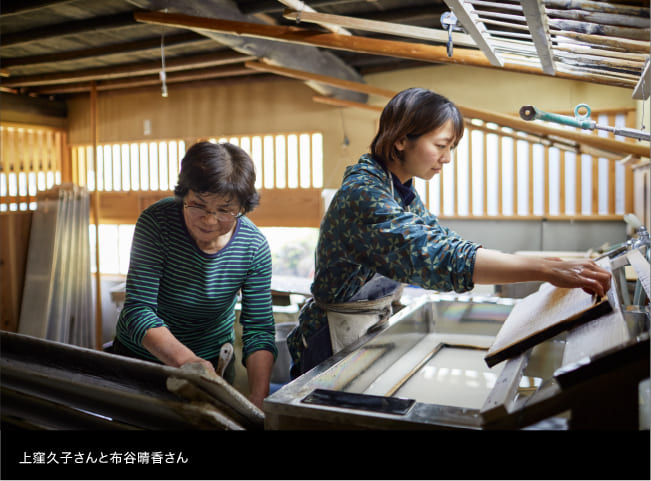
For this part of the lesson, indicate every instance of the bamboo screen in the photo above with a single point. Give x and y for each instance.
(32, 159)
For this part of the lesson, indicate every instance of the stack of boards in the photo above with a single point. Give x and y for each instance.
(57, 296)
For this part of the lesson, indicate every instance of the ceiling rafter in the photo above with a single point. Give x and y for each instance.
(52, 37)
(94, 52)
(129, 70)
(303, 9)
(14, 7)
(235, 72)
(397, 29)
(534, 11)
(75, 27)
(409, 50)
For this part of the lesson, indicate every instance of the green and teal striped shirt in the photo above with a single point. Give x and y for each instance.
(172, 283)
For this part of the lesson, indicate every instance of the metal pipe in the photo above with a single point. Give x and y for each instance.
(581, 121)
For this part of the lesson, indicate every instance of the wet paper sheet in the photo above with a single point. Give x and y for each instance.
(540, 316)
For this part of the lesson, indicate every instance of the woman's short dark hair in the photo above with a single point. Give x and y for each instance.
(412, 113)
(223, 169)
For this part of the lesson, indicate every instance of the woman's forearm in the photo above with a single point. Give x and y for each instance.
(258, 367)
(494, 267)
(168, 349)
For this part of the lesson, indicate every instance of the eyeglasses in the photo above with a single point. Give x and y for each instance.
(197, 212)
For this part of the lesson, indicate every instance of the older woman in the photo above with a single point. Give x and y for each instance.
(190, 257)
(378, 234)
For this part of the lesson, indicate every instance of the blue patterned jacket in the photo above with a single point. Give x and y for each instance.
(368, 229)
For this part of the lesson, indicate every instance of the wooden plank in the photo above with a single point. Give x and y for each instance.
(641, 266)
(541, 316)
(530, 181)
(594, 207)
(626, 44)
(200, 61)
(94, 133)
(546, 182)
(470, 190)
(609, 19)
(604, 7)
(398, 29)
(39, 270)
(15, 230)
(643, 87)
(500, 176)
(587, 28)
(578, 184)
(484, 206)
(346, 103)
(312, 77)
(299, 5)
(476, 28)
(562, 205)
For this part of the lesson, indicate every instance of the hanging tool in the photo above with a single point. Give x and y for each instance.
(449, 21)
(225, 356)
(582, 121)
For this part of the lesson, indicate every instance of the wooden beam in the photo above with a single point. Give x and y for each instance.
(610, 19)
(14, 7)
(85, 26)
(467, 16)
(346, 103)
(534, 11)
(641, 34)
(609, 145)
(312, 77)
(130, 70)
(126, 47)
(398, 29)
(94, 130)
(197, 75)
(619, 43)
(413, 51)
(604, 7)
(298, 5)
(641, 90)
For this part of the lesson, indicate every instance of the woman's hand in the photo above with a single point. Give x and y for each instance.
(169, 350)
(583, 273)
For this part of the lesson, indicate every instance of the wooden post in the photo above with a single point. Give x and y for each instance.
(96, 200)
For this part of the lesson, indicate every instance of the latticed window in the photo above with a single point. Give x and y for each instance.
(282, 161)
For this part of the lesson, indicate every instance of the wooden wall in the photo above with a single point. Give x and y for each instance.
(15, 228)
(287, 208)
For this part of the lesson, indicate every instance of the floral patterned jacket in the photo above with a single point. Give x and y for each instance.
(368, 229)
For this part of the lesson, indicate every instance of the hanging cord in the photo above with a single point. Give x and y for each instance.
(163, 76)
(298, 16)
(346, 141)
(644, 91)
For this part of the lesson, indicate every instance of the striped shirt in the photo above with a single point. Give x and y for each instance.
(172, 283)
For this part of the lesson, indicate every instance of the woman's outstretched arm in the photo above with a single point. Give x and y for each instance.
(495, 267)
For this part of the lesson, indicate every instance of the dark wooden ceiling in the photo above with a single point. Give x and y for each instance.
(58, 47)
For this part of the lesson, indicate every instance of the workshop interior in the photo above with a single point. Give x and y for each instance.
(99, 101)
